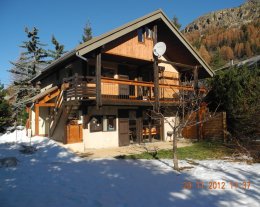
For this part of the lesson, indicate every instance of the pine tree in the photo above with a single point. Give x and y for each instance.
(217, 60)
(59, 49)
(31, 61)
(87, 35)
(176, 22)
(205, 54)
(34, 51)
(5, 110)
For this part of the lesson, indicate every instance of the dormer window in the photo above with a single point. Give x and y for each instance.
(140, 34)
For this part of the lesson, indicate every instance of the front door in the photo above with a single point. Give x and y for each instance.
(74, 132)
(124, 132)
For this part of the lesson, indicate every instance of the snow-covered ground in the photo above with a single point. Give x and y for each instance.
(54, 177)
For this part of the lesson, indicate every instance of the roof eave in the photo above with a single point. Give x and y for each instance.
(53, 64)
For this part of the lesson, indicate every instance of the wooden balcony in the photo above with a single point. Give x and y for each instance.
(116, 91)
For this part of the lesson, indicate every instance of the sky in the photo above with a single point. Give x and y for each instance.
(66, 19)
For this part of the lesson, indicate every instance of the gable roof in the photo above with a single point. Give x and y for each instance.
(103, 39)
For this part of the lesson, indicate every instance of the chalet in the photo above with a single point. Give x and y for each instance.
(101, 93)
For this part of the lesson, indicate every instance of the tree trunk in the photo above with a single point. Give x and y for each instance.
(175, 158)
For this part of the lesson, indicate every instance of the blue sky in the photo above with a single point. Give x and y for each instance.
(66, 19)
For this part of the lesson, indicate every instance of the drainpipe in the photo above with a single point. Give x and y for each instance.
(81, 57)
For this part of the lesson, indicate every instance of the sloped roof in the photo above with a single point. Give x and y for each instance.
(101, 40)
(42, 94)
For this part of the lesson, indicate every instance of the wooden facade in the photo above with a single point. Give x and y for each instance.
(128, 46)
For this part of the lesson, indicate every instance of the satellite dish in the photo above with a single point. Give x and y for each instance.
(159, 49)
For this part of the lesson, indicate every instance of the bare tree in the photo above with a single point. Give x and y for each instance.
(186, 113)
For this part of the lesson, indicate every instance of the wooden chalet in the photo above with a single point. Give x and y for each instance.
(101, 93)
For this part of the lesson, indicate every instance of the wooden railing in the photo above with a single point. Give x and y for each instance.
(79, 87)
(84, 88)
(140, 90)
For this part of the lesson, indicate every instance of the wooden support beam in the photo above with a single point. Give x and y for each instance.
(98, 80)
(156, 73)
(37, 110)
(46, 104)
(28, 122)
(196, 88)
(196, 80)
(50, 96)
(162, 138)
(150, 130)
(139, 129)
(179, 64)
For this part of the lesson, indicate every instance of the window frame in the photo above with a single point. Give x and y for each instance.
(148, 33)
(140, 34)
(114, 123)
(96, 128)
(104, 125)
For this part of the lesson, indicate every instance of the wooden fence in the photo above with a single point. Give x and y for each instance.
(211, 126)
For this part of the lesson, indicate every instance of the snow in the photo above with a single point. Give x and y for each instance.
(53, 176)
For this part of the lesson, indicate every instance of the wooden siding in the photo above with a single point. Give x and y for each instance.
(215, 128)
(129, 46)
(212, 129)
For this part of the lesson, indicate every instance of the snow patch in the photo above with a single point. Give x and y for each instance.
(53, 176)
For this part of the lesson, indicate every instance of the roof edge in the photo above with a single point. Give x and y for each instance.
(54, 63)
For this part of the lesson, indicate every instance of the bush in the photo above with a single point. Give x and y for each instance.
(237, 90)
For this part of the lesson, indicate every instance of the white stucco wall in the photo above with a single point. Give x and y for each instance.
(33, 121)
(43, 122)
(101, 139)
(168, 67)
(168, 128)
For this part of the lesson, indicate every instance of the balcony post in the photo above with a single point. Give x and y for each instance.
(98, 80)
(37, 119)
(196, 88)
(156, 73)
(196, 80)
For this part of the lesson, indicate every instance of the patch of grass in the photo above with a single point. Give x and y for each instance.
(198, 151)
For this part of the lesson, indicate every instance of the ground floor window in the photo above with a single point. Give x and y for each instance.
(103, 123)
(96, 124)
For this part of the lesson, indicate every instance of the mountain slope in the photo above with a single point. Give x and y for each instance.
(227, 34)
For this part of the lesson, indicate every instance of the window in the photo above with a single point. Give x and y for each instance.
(140, 34)
(148, 33)
(107, 72)
(103, 123)
(92, 70)
(96, 124)
(111, 123)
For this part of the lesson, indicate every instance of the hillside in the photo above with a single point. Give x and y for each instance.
(229, 34)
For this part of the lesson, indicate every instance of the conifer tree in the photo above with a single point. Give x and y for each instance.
(238, 91)
(59, 49)
(31, 61)
(5, 110)
(87, 35)
(176, 22)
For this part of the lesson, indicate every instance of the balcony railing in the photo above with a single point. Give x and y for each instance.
(79, 87)
(84, 88)
(139, 90)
